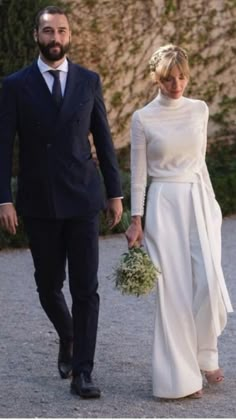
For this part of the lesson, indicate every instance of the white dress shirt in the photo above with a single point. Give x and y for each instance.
(45, 68)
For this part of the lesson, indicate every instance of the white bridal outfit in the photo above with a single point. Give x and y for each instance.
(183, 237)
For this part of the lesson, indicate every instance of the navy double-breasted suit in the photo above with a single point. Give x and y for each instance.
(60, 192)
(57, 175)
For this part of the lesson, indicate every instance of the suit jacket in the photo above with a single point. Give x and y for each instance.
(57, 176)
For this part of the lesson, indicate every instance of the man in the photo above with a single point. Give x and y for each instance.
(59, 189)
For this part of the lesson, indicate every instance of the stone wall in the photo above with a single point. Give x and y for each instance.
(117, 38)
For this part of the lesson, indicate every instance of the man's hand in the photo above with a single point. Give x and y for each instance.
(114, 211)
(8, 218)
(134, 233)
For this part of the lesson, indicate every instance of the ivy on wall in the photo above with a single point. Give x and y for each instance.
(117, 38)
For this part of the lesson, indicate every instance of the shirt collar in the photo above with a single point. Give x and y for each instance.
(43, 67)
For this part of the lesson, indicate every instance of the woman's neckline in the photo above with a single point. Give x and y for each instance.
(169, 102)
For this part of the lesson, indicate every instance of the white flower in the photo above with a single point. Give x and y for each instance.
(135, 274)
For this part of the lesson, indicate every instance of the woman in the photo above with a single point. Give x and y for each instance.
(182, 230)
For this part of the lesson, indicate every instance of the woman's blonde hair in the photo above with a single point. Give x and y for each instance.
(165, 58)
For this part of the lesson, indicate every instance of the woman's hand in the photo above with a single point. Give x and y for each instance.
(134, 233)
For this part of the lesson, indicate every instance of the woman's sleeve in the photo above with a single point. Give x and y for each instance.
(138, 166)
(205, 173)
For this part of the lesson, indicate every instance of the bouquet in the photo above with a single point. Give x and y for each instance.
(135, 274)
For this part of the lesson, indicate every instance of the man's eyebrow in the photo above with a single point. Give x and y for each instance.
(50, 27)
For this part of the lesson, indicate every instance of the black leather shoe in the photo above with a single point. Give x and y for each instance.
(65, 359)
(83, 386)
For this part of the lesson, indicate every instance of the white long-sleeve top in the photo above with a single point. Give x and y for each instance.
(168, 139)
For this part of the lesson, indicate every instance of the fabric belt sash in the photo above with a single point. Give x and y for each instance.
(211, 255)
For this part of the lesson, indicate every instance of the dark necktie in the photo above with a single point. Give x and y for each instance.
(56, 87)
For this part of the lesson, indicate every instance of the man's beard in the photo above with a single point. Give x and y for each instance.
(50, 55)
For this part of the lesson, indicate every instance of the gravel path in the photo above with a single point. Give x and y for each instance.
(29, 382)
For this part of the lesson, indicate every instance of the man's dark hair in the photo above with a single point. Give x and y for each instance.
(51, 10)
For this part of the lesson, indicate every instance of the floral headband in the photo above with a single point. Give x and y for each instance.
(161, 52)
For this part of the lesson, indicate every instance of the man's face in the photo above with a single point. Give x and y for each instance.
(53, 37)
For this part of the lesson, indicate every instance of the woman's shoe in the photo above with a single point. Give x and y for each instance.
(196, 395)
(214, 376)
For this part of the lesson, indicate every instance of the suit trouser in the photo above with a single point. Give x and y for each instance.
(52, 243)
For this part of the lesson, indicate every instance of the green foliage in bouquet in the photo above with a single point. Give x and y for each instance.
(135, 274)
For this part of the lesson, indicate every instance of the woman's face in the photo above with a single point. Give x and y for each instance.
(174, 85)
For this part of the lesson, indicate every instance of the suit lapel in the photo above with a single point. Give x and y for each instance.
(38, 94)
(37, 88)
(74, 93)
